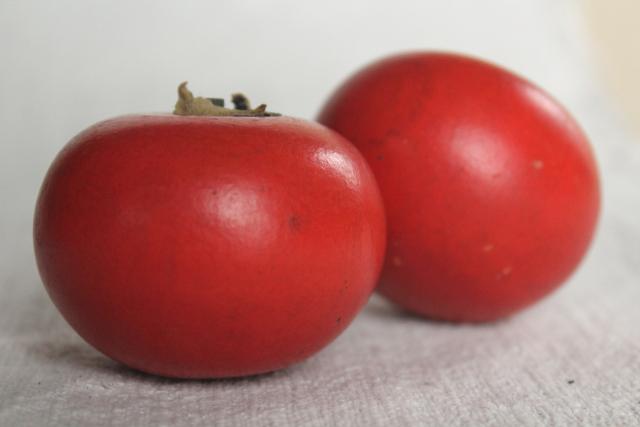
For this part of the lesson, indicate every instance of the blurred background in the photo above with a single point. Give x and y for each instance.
(69, 63)
(614, 36)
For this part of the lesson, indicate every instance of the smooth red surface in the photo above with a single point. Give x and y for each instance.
(490, 187)
(209, 247)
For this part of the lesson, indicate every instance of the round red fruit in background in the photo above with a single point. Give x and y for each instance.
(201, 247)
(490, 187)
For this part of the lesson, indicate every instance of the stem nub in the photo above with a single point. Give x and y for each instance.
(188, 105)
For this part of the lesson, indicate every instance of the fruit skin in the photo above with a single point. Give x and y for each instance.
(490, 187)
(200, 247)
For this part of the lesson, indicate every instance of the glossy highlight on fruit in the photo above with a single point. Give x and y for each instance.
(201, 247)
(490, 187)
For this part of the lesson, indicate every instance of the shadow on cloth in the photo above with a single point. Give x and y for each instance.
(379, 307)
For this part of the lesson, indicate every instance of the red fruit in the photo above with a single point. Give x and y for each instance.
(209, 246)
(490, 187)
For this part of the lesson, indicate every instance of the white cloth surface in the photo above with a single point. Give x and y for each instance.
(572, 359)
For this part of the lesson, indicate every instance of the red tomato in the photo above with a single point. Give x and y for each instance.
(490, 187)
(209, 246)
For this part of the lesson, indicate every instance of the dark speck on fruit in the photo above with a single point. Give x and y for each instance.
(294, 223)
(345, 286)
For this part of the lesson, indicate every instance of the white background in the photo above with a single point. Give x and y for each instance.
(67, 64)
